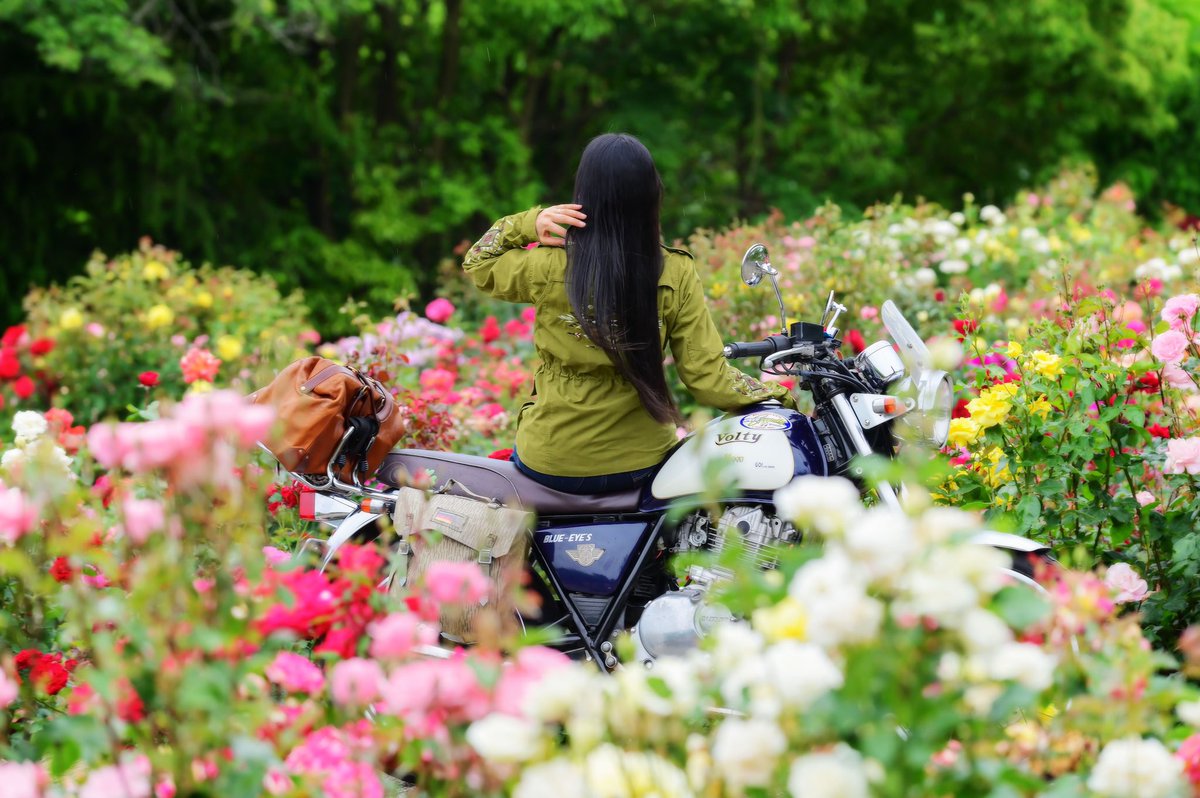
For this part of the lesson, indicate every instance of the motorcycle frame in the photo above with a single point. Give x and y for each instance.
(604, 628)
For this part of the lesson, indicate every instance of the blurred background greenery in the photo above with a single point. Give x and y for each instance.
(345, 147)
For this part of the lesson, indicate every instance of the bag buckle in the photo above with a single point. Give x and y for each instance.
(485, 554)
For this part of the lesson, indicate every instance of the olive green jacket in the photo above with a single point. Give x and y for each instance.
(585, 418)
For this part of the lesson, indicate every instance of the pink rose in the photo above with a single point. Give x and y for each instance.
(439, 310)
(274, 556)
(397, 634)
(295, 674)
(8, 691)
(22, 779)
(1145, 498)
(276, 782)
(1183, 456)
(355, 682)
(1179, 310)
(1177, 377)
(456, 583)
(1127, 584)
(142, 516)
(409, 692)
(129, 779)
(531, 666)
(1170, 346)
(17, 514)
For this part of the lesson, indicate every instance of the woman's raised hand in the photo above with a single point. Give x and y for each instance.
(551, 222)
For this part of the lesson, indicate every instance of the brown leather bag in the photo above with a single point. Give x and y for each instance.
(316, 401)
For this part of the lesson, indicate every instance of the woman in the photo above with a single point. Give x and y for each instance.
(609, 296)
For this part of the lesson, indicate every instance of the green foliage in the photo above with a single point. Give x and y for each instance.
(345, 146)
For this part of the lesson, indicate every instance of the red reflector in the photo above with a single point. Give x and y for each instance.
(889, 405)
(308, 506)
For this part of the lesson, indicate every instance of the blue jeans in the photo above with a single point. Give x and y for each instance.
(605, 483)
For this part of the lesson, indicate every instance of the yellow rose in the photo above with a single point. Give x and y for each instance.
(159, 316)
(988, 409)
(200, 386)
(1003, 390)
(963, 432)
(1081, 234)
(1041, 407)
(229, 347)
(154, 271)
(1046, 364)
(71, 319)
(1014, 349)
(784, 621)
(203, 299)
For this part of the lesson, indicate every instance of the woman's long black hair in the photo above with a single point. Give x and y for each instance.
(613, 264)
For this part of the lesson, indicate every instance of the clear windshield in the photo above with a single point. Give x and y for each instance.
(913, 351)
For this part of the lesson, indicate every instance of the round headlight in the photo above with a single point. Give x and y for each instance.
(935, 402)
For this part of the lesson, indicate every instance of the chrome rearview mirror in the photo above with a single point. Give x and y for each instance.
(756, 264)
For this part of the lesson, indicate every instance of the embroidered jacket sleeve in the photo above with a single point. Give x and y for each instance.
(500, 265)
(697, 348)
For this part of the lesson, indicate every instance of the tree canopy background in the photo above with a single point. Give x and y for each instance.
(346, 146)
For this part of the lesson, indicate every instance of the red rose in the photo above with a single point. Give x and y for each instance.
(9, 365)
(939, 295)
(1148, 382)
(490, 330)
(856, 341)
(965, 326)
(960, 409)
(49, 675)
(42, 346)
(129, 704)
(26, 659)
(24, 387)
(501, 454)
(148, 378)
(1159, 431)
(61, 570)
(12, 336)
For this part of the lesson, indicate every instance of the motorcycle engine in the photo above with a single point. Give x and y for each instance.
(673, 623)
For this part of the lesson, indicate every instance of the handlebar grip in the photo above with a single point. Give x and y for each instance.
(762, 348)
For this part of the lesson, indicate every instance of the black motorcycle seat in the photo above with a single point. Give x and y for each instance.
(499, 479)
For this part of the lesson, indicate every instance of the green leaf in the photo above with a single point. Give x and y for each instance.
(1020, 606)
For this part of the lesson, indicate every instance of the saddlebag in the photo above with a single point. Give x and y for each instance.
(317, 402)
(437, 526)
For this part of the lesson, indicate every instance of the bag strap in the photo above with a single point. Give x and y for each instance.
(495, 504)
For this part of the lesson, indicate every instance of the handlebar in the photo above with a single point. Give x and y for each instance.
(768, 346)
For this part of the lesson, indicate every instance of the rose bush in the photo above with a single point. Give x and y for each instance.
(147, 322)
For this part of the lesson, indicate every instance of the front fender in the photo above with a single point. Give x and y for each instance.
(351, 526)
(1003, 540)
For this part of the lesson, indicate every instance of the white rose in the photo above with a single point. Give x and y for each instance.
(29, 425)
(961, 246)
(11, 458)
(835, 602)
(745, 752)
(1189, 712)
(991, 214)
(941, 229)
(826, 504)
(789, 675)
(945, 353)
(560, 693)
(734, 643)
(979, 698)
(1136, 768)
(801, 673)
(505, 739)
(927, 591)
(939, 524)
(924, 277)
(953, 266)
(882, 542)
(557, 778)
(958, 218)
(1188, 256)
(1023, 663)
(613, 773)
(837, 774)
(984, 631)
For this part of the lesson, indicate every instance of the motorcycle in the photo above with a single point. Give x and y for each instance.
(601, 561)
